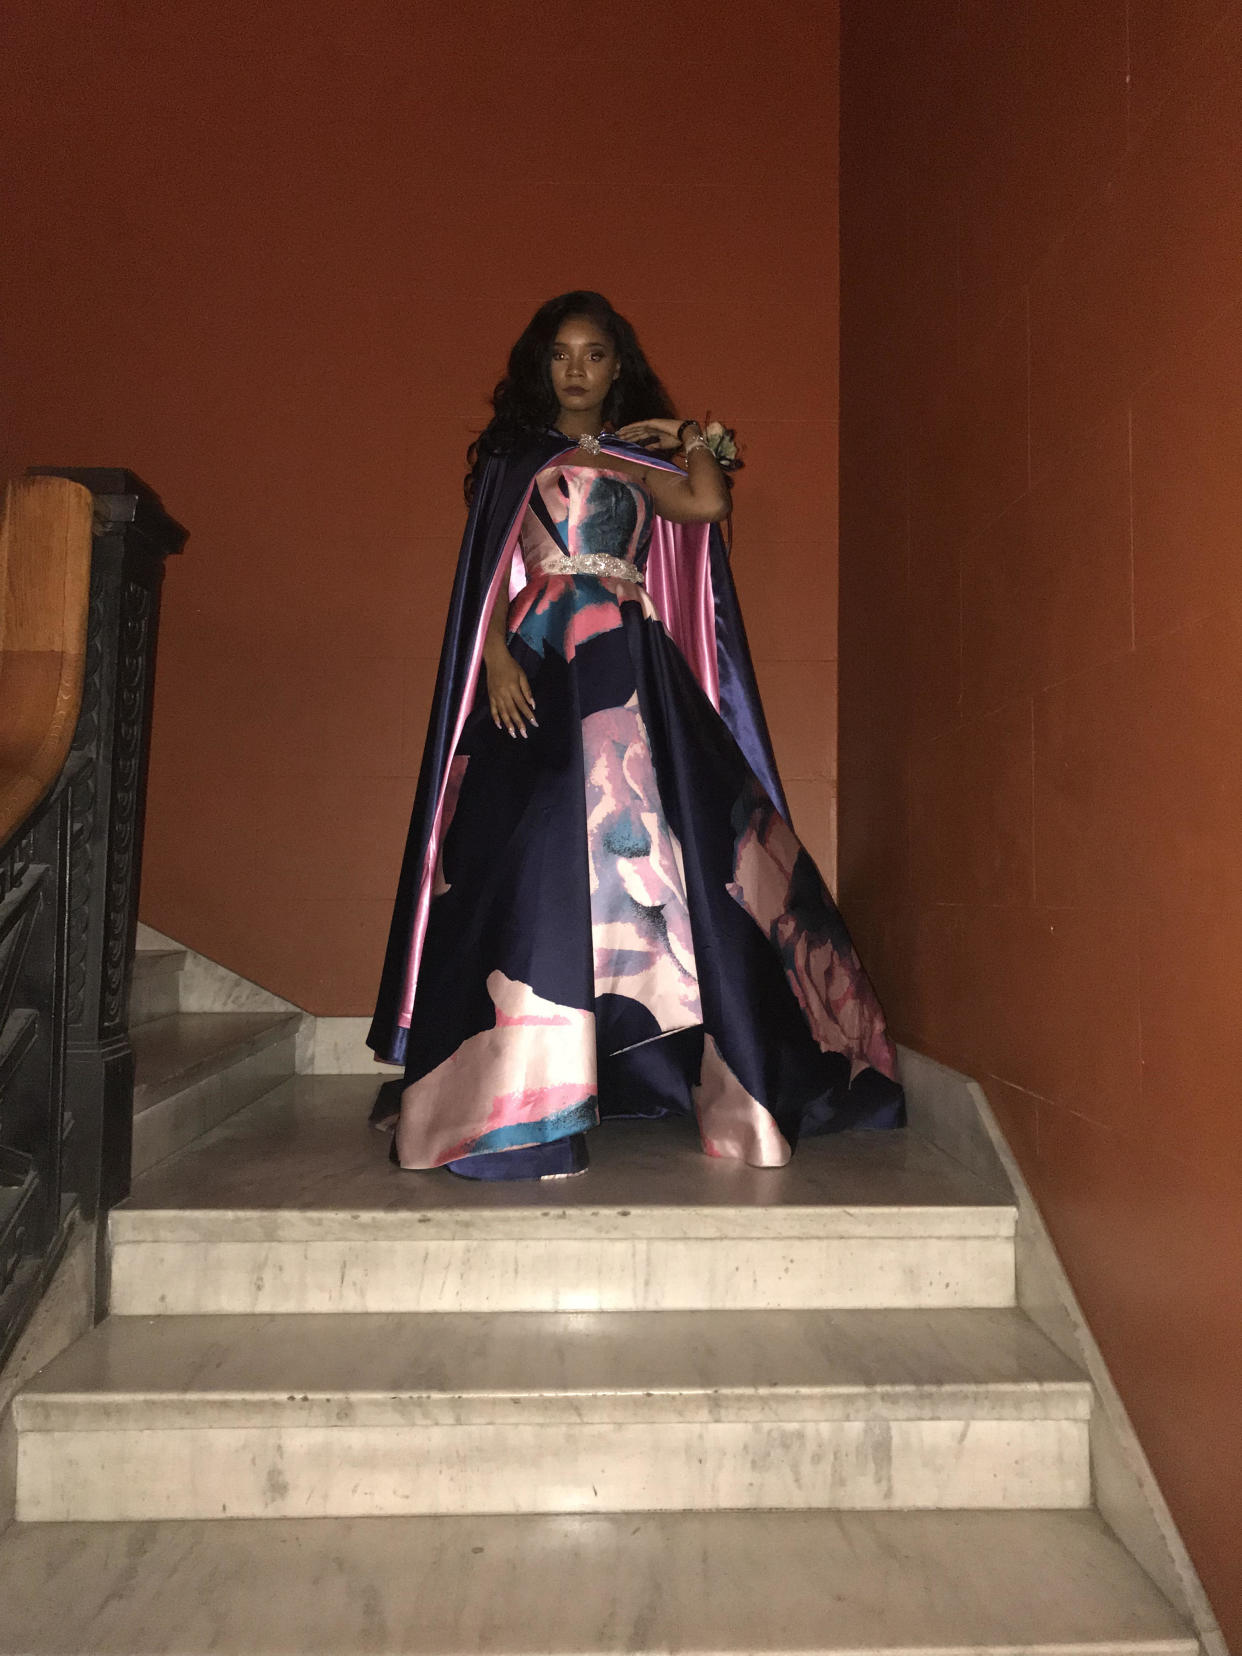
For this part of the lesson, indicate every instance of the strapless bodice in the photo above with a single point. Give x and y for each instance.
(583, 520)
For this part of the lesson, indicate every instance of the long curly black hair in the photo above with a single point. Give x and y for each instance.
(524, 403)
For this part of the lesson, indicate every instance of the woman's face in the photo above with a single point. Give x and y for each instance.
(584, 364)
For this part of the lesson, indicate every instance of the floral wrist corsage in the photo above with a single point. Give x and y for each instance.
(722, 441)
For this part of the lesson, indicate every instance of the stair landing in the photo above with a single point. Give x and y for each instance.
(308, 1147)
(667, 1332)
(292, 1206)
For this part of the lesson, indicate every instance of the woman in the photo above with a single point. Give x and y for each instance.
(603, 909)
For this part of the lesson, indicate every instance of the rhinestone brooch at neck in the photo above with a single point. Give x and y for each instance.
(590, 442)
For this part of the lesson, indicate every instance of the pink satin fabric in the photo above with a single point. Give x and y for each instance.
(679, 579)
(537, 1059)
(731, 1122)
(517, 568)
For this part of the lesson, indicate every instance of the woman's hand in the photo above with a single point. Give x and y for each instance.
(508, 691)
(656, 434)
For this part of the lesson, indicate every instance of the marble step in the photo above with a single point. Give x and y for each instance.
(197, 1417)
(700, 1584)
(293, 1206)
(192, 1070)
(155, 989)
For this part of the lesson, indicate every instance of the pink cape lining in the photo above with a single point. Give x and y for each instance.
(679, 581)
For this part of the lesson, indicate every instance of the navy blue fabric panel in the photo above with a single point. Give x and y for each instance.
(748, 1006)
(515, 861)
(740, 706)
(499, 493)
(539, 506)
(651, 1080)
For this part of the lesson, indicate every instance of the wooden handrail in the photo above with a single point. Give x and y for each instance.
(45, 573)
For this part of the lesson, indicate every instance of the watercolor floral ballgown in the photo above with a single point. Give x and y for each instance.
(621, 921)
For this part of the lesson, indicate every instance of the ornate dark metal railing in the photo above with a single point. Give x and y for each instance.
(69, 875)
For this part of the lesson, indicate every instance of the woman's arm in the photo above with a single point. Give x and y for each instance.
(701, 495)
(508, 689)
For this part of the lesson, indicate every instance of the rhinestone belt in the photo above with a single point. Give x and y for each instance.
(592, 563)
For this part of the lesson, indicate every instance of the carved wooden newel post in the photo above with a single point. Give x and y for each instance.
(133, 536)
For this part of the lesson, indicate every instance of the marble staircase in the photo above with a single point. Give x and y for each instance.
(634, 1411)
(192, 1070)
(674, 1405)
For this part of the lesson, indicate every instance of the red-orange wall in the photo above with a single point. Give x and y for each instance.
(272, 258)
(1041, 642)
